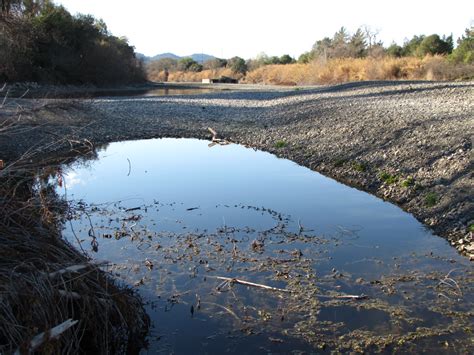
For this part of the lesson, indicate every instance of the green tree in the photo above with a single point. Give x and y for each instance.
(464, 52)
(189, 64)
(410, 48)
(433, 44)
(357, 44)
(394, 50)
(305, 58)
(286, 59)
(237, 65)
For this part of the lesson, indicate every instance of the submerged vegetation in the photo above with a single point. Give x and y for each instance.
(43, 42)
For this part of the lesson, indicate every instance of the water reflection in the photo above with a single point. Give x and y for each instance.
(174, 215)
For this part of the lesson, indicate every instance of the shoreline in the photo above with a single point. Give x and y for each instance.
(409, 143)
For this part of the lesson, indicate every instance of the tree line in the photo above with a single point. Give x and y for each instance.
(362, 43)
(43, 42)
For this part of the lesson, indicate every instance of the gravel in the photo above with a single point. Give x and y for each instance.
(406, 142)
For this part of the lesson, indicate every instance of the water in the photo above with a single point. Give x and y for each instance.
(173, 215)
(162, 91)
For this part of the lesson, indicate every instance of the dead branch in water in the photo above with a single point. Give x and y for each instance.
(252, 284)
(216, 140)
(231, 281)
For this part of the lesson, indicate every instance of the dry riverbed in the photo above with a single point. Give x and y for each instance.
(407, 142)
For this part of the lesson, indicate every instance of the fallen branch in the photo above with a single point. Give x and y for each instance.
(232, 313)
(75, 268)
(216, 140)
(247, 283)
(348, 297)
(52, 333)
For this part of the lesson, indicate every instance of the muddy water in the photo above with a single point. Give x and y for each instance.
(349, 271)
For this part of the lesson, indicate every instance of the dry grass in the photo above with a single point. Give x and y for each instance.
(335, 71)
(33, 299)
(181, 76)
(351, 69)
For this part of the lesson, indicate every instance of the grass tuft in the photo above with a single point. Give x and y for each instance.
(281, 144)
(388, 178)
(358, 166)
(431, 199)
(408, 182)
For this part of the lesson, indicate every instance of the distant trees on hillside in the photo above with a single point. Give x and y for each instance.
(43, 42)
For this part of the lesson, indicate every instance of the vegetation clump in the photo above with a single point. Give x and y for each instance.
(281, 144)
(43, 42)
(359, 166)
(388, 178)
(431, 199)
(409, 181)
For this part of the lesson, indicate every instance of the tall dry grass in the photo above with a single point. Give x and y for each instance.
(336, 71)
(358, 69)
(182, 76)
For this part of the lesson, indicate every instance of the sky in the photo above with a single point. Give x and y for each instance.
(247, 28)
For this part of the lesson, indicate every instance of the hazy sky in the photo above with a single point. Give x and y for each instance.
(248, 27)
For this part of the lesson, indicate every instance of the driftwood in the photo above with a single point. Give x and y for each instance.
(52, 333)
(216, 140)
(252, 284)
(270, 288)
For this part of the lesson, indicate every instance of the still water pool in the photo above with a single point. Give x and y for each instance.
(185, 223)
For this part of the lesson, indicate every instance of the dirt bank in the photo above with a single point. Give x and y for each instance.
(407, 142)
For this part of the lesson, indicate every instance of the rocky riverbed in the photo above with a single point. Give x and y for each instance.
(407, 142)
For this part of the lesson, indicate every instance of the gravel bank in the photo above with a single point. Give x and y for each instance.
(407, 142)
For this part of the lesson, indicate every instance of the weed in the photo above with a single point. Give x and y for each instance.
(280, 144)
(431, 199)
(358, 166)
(471, 227)
(408, 182)
(339, 162)
(388, 178)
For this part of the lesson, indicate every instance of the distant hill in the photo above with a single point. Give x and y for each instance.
(198, 57)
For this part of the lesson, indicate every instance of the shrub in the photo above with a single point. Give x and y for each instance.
(431, 199)
(358, 166)
(280, 144)
(408, 182)
(388, 178)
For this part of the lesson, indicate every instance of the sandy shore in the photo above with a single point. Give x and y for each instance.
(407, 142)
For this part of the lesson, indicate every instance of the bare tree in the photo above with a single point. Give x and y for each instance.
(371, 35)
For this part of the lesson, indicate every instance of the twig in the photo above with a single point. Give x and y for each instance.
(224, 308)
(216, 140)
(247, 283)
(52, 333)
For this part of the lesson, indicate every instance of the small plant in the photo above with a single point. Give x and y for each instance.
(471, 227)
(388, 178)
(280, 144)
(358, 166)
(431, 199)
(408, 182)
(339, 162)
